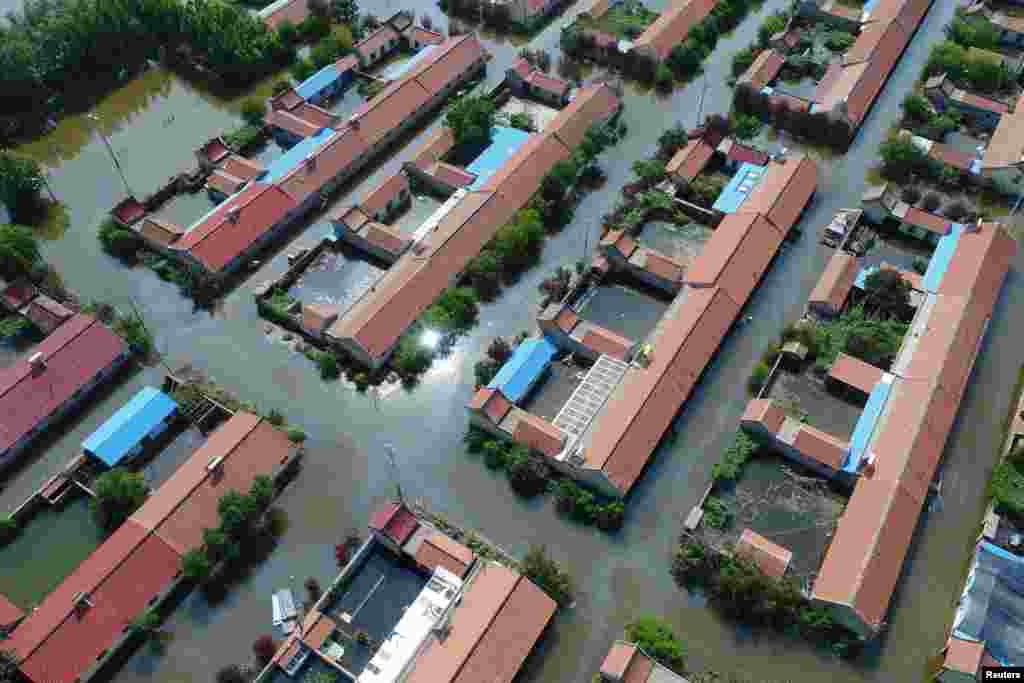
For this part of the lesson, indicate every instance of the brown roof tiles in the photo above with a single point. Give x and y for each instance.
(771, 558)
(784, 191)
(855, 373)
(836, 281)
(688, 162)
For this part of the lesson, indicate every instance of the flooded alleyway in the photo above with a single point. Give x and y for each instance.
(346, 475)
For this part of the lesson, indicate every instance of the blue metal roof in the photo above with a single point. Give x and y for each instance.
(520, 371)
(318, 82)
(129, 425)
(940, 258)
(866, 422)
(739, 187)
(279, 167)
(396, 71)
(504, 143)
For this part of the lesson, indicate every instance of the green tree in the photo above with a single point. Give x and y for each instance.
(901, 157)
(742, 60)
(527, 475)
(916, 108)
(345, 11)
(663, 78)
(119, 493)
(262, 492)
(454, 311)
(522, 121)
(219, 547)
(19, 251)
(973, 32)
(8, 666)
(518, 243)
(887, 290)
(548, 575)
(987, 75)
(655, 637)
(776, 23)
(559, 179)
(237, 513)
(21, 181)
(649, 169)
(471, 118)
(949, 58)
(13, 325)
(253, 111)
(118, 241)
(195, 565)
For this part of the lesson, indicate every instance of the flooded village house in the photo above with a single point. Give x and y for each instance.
(606, 433)
(415, 605)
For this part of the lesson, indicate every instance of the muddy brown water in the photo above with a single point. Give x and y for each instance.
(345, 476)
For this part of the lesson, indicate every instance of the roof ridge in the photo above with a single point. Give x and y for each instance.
(494, 617)
(92, 321)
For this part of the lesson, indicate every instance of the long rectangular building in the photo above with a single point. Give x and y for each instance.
(71, 634)
(371, 328)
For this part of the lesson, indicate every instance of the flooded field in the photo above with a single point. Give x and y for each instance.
(679, 242)
(345, 475)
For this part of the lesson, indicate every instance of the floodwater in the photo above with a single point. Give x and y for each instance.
(338, 277)
(620, 577)
(683, 243)
(623, 310)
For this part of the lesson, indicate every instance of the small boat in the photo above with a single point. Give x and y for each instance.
(285, 614)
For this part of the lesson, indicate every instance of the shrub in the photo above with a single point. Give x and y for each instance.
(328, 365)
(916, 108)
(610, 516)
(758, 376)
(839, 41)
(119, 242)
(499, 350)
(195, 565)
(742, 60)
(264, 648)
(776, 23)
(717, 514)
(743, 448)
(528, 475)
(911, 195)
(931, 201)
(656, 638)
(475, 439)
(484, 371)
(276, 418)
(495, 454)
(484, 274)
(119, 493)
(288, 34)
(920, 265)
(8, 530)
(454, 311)
(280, 87)
(747, 126)
(296, 435)
(663, 78)
(522, 121)
(253, 111)
(548, 575)
(302, 69)
(313, 590)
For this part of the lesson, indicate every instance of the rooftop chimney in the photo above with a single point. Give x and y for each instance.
(37, 361)
(234, 214)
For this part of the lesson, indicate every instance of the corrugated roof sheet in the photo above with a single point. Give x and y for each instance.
(74, 354)
(763, 69)
(437, 550)
(771, 558)
(765, 412)
(538, 434)
(836, 281)
(736, 256)
(688, 162)
(820, 446)
(784, 191)
(522, 370)
(855, 373)
(617, 660)
(116, 437)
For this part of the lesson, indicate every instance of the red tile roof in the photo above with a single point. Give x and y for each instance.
(963, 655)
(771, 558)
(522, 174)
(232, 228)
(908, 13)
(740, 154)
(315, 317)
(617, 660)
(214, 150)
(855, 373)
(763, 70)
(240, 167)
(161, 232)
(294, 12)
(871, 36)
(765, 412)
(736, 256)
(383, 194)
(836, 282)
(450, 175)
(17, 294)
(218, 181)
(641, 407)
(450, 61)
(592, 104)
(493, 629)
(622, 242)
(951, 156)
(117, 599)
(438, 550)
(376, 41)
(287, 100)
(784, 191)
(386, 238)
(46, 314)
(980, 263)
(394, 104)
(606, 342)
(425, 36)
(289, 122)
(538, 434)
(74, 354)
(929, 221)
(662, 266)
(433, 148)
(325, 163)
(491, 402)
(673, 25)
(128, 211)
(394, 521)
(522, 68)
(986, 103)
(688, 162)
(9, 612)
(821, 446)
(542, 81)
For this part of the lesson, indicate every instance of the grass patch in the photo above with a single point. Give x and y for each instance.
(627, 20)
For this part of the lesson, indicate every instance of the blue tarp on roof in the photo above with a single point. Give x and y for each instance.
(396, 71)
(940, 258)
(504, 143)
(522, 370)
(128, 426)
(866, 423)
(739, 187)
(318, 82)
(279, 167)
(991, 608)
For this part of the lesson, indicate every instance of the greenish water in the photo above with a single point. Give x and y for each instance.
(49, 547)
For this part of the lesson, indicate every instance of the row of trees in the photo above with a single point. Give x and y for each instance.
(56, 53)
(818, 128)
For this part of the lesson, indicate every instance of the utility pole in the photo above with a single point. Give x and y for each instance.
(390, 451)
(113, 157)
(700, 102)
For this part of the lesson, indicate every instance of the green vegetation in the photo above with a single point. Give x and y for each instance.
(21, 181)
(548, 575)
(119, 242)
(873, 340)
(758, 377)
(1006, 487)
(839, 41)
(655, 637)
(887, 291)
(817, 128)
(973, 32)
(471, 118)
(119, 493)
(717, 514)
(132, 329)
(976, 71)
(498, 352)
(244, 136)
(327, 364)
(522, 121)
(13, 326)
(333, 47)
(737, 455)
(9, 529)
(704, 189)
(901, 158)
(253, 110)
(775, 23)
(19, 252)
(627, 20)
(747, 126)
(56, 54)
(742, 60)
(454, 312)
(296, 435)
(530, 476)
(921, 119)
(276, 307)
(737, 588)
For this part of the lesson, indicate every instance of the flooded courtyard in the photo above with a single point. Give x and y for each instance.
(345, 475)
